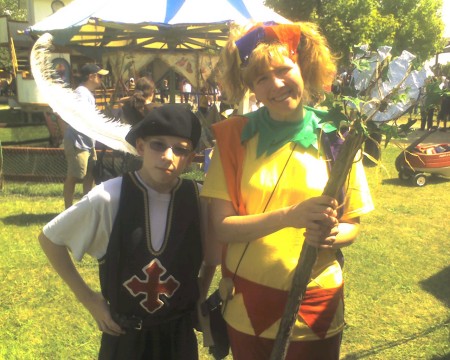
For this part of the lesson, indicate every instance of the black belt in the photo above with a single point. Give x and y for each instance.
(128, 322)
(132, 322)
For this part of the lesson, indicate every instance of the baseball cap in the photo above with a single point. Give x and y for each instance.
(167, 120)
(90, 68)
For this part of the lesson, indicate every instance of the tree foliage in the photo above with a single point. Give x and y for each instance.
(11, 9)
(413, 25)
(444, 70)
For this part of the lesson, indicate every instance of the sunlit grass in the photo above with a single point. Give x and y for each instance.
(396, 274)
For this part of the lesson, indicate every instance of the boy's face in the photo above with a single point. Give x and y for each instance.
(164, 159)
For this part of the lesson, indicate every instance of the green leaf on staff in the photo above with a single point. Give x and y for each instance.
(362, 64)
(335, 116)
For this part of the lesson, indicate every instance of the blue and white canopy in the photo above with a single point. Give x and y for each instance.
(150, 24)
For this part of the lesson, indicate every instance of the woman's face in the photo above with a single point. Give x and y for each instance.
(280, 89)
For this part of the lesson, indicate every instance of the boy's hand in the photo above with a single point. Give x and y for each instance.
(94, 302)
(99, 309)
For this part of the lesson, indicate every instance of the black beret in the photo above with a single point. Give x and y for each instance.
(170, 119)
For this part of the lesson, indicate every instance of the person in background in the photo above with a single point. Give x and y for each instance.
(204, 102)
(79, 149)
(4, 91)
(186, 89)
(264, 187)
(137, 106)
(431, 102)
(336, 86)
(226, 107)
(422, 107)
(148, 231)
(131, 85)
(164, 91)
(444, 112)
(134, 110)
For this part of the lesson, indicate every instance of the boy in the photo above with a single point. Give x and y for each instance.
(145, 230)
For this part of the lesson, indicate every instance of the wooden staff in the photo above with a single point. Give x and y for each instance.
(308, 255)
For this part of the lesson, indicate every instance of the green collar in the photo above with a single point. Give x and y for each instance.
(275, 134)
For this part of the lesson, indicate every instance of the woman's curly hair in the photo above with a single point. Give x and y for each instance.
(314, 58)
(134, 108)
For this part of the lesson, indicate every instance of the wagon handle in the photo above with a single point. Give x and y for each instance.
(419, 140)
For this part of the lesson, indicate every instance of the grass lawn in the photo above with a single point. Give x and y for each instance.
(28, 132)
(397, 276)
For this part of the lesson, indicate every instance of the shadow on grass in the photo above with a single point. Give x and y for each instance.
(376, 350)
(443, 357)
(431, 181)
(439, 286)
(27, 219)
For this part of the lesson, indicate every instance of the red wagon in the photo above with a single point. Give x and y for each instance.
(418, 159)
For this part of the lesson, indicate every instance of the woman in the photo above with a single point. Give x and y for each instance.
(134, 110)
(138, 105)
(264, 186)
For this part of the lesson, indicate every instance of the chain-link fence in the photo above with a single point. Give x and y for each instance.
(46, 164)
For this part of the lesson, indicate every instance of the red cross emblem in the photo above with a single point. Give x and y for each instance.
(152, 286)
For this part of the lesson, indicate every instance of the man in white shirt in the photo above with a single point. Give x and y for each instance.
(79, 149)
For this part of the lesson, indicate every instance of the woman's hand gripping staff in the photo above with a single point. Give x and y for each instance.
(318, 216)
(323, 229)
(321, 223)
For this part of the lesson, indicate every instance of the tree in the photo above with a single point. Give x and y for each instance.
(412, 25)
(419, 26)
(442, 70)
(347, 23)
(11, 9)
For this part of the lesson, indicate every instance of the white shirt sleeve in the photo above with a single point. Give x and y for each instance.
(86, 226)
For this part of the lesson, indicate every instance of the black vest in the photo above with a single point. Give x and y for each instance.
(137, 280)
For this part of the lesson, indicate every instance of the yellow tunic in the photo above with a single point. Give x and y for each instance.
(268, 265)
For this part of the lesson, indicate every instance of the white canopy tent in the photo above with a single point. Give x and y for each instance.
(186, 35)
